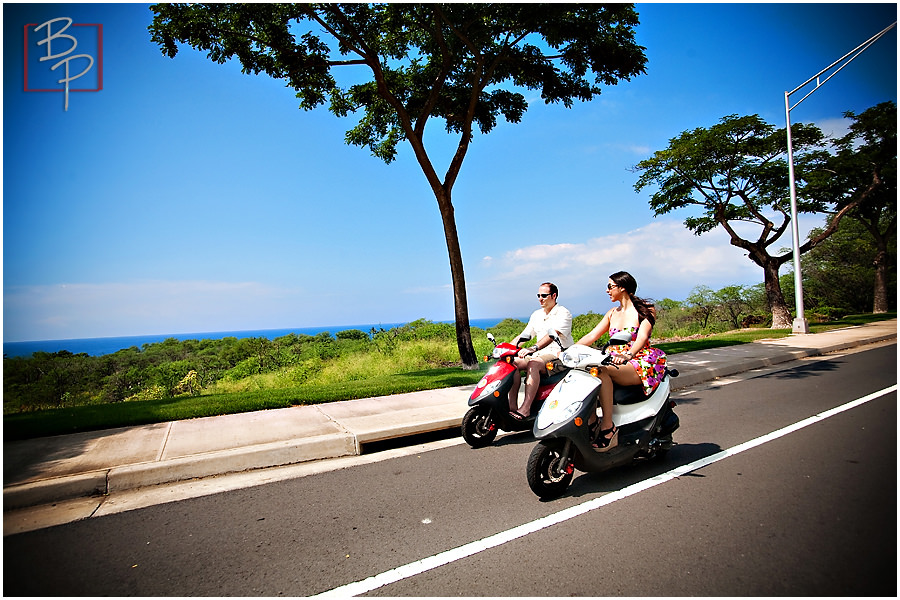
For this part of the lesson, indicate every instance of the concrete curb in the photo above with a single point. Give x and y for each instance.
(209, 464)
(274, 454)
(53, 490)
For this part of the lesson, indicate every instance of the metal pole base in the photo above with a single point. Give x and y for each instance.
(801, 326)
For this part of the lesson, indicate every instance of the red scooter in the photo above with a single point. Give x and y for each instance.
(490, 400)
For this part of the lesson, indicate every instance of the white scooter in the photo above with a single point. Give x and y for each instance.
(645, 423)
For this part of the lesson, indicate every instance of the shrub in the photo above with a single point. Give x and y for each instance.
(352, 334)
(821, 314)
(245, 368)
(154, 392)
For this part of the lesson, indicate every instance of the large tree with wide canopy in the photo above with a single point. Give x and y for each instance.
(464, 64)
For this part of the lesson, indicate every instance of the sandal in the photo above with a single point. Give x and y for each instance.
(518, 416)
(604, 443)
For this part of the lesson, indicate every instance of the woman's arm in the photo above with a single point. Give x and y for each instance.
(643, 335)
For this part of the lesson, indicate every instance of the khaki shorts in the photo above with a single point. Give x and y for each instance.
(546, 357)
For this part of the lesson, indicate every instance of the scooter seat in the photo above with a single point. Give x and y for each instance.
(628, 394)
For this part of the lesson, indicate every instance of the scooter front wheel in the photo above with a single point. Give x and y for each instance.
(478, 428)
(549, 471)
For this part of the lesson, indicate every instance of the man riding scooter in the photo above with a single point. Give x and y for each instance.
(549, 317)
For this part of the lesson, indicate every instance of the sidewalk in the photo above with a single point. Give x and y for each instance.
(52, 469)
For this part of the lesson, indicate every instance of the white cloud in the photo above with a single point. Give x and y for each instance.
(666, 259)
(136, 308)
(834, 127)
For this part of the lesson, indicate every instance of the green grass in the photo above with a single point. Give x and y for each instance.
(124, 414)
(105, 416)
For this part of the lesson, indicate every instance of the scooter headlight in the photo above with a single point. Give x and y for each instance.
(552, 413)
(490, 389)
(569, 411)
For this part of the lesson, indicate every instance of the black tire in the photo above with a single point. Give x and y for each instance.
(478, 428)
(547, 476)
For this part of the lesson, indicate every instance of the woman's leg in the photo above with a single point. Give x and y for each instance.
(624, 375)
(609, 376)
(606, 399)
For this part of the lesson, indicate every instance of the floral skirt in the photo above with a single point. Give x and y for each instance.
(650, 365)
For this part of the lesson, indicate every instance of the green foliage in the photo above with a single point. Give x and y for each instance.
(352, 334)
(861, 177)
(583, 324)
(449, 61)
(735, 172)
(420, 364)
(732, 171)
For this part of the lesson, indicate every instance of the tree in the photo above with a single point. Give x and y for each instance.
(702, 302)
(736, 173)
(840, 273)
(447, 61)
(731, 302)
(863, 172)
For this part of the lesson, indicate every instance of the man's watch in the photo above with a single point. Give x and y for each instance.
(534, 348)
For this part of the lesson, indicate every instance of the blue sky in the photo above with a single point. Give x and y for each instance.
(188, 197)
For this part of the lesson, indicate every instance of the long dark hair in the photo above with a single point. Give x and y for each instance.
(645, 308)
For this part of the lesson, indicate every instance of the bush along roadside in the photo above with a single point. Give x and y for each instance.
(60, 393)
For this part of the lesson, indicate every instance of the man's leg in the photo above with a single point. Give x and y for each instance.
(514, 391)
(535, 368)
(519, 364)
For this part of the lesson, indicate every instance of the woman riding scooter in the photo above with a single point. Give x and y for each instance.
(634, 364)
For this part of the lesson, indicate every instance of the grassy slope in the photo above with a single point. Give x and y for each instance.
(86, 418)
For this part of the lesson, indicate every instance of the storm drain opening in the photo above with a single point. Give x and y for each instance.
(410, 440)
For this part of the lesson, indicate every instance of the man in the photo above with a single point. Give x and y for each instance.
(549, 317)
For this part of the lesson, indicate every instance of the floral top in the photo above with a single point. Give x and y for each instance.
(650, 363)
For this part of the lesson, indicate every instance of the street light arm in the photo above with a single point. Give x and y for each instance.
(855, 52)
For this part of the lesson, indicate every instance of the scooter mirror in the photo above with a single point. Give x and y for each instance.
(555, 338)
(490, 337)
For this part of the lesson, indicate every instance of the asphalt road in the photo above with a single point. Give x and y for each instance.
(812, 512)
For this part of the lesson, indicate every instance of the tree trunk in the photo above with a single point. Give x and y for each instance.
(460, 301)
(781, 313)
(881, 296)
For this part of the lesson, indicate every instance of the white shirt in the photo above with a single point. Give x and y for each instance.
(558, 319)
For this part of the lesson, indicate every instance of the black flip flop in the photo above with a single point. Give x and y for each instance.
(517, 415)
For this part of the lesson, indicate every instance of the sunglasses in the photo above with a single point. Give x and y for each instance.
(543, 295)
(610, 286)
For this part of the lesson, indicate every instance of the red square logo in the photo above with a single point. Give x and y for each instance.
(62, 56)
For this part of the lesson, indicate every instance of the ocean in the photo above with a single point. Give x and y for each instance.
(109, 345)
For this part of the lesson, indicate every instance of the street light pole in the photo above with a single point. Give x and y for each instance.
(801, 325)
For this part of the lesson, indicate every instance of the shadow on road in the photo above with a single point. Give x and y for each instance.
(586, 484)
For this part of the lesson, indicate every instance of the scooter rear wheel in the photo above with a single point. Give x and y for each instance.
(548, 474)
(478, 428)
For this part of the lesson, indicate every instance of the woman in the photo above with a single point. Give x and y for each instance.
(634, 364)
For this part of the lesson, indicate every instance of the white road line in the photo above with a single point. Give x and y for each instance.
(455, 554)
